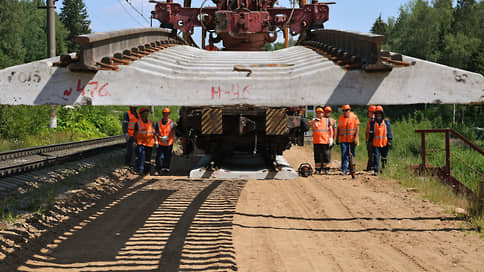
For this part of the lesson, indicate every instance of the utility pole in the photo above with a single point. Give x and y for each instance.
(51, 50)
(51, 27)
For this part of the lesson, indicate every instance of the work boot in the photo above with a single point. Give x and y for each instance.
(326, 171)
(383, 163)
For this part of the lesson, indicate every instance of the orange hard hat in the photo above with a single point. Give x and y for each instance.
(328, 109)
(166, 110)
(319, 109)
(372, 108)
(379, 108)
(143, 110)
(346, 107)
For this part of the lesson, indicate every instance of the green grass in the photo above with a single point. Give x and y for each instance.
(45, 138)
(26, 126)
(407, 151)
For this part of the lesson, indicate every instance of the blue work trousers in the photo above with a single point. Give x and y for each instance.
(163, 156)
(129, 151)
(143, 158)
(383, 153)
(345, 155)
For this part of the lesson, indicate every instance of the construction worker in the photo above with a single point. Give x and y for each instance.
(322, 141)
(369, 144)
(145, 140)
(327, 113)
(129, 121)
(165, 131)
(347, 136)
(381, 135)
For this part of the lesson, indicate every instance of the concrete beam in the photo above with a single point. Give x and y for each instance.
(183, 75)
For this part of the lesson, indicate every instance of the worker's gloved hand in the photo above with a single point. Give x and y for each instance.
(127, 137)
(337, 141)
(331, 142)
(156, 145)
(355, 141)
(164, 139)
(389, 144)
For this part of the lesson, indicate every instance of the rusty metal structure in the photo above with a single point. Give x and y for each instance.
(242, 25)
(239, 99)
(444, 173)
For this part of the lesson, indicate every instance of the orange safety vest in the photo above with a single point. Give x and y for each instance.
(367, 131)
(146, 134)
(131, 123)
(347, 128)
(166, 130)
(333, 125)
(211, 48)
(321, 131)
(380, 138)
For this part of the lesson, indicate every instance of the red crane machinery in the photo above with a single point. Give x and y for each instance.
(242, 25)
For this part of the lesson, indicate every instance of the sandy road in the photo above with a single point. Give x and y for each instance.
(321, 223)
(334, 223)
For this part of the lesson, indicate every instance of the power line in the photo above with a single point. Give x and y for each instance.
(126, 10)
(136, 10)
(107, 22)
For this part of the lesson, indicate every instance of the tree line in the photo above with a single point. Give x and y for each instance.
(437, 31)
(23, 29)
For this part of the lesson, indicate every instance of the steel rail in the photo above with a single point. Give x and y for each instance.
(46, 155)
(353, 49)
(109, 49)
(97, 49)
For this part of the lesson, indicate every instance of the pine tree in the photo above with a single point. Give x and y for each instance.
(74, 17)
(34, 32)
(379, 27)
(464, 17)
(11, 49)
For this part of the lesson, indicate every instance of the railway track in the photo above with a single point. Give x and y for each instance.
(19, 161)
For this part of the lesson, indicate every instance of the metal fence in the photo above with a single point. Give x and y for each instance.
(444, 173)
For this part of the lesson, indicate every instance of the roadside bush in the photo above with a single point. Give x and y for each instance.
(17, 122)
(90, 121)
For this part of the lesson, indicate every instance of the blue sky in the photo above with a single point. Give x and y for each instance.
(355, 15)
